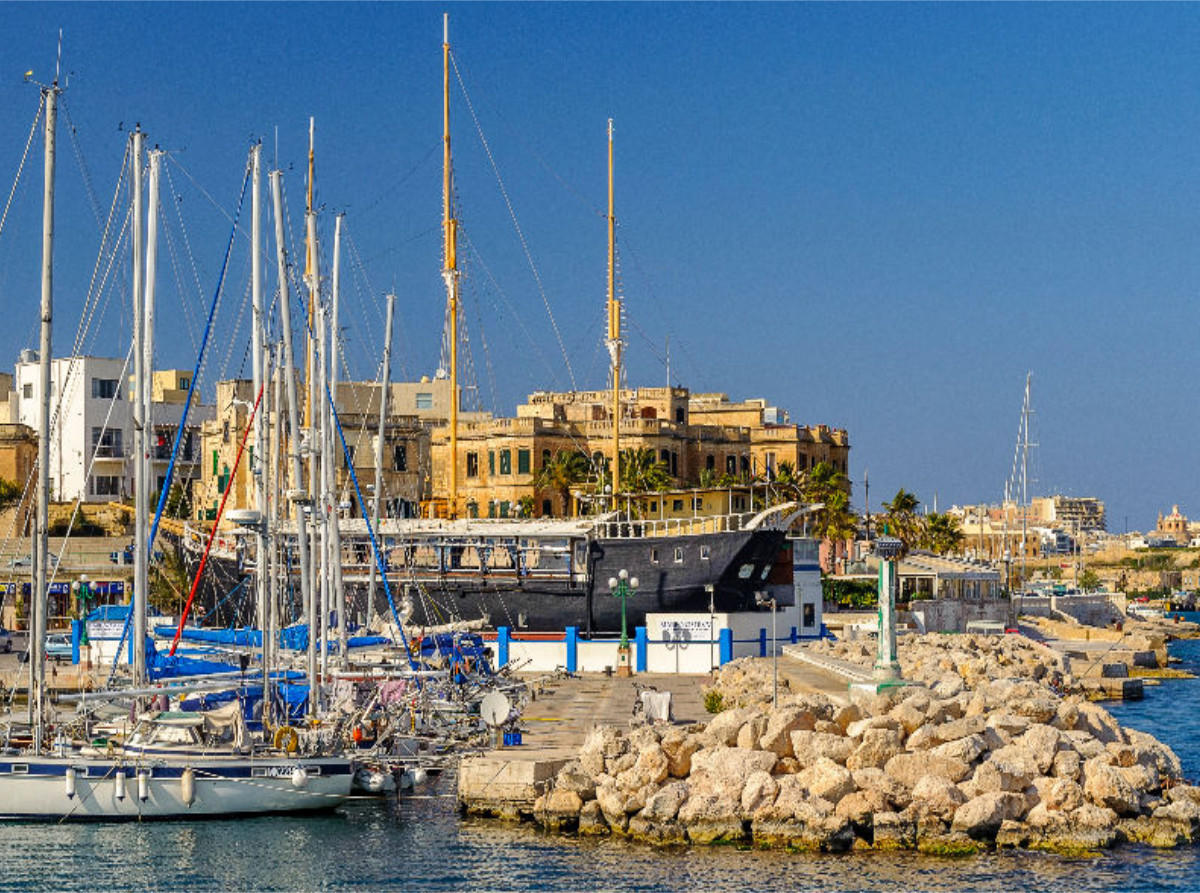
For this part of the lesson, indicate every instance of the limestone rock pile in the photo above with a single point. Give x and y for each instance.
(1006, 763)
(951, 663)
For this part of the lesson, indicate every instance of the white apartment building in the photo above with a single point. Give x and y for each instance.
(91, 437)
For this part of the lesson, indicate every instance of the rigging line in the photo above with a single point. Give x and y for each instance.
(99, 302)
(433, 148)
(83, 169)
(212, 534)
(21, 167)
(507, 303)
(518, 131)
(92, 293)
(177, 272)
(177, 204)
(187, 406)
(516, 225)
(416, 237)
(487, 354)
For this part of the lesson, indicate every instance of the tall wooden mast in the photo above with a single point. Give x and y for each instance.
(614, 322)
(450, 271)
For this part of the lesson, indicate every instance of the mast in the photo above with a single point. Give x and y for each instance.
(146, 389)
(614, 323)
(269, 636)
(258, 456)
(326, 495)
(299, 497)
(450, 272)
(1025, 410)
(339, 588)
(316, 484)
(383, 408)
(37, 601)
(140, 500)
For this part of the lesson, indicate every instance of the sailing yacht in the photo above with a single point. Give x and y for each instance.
(173, 764)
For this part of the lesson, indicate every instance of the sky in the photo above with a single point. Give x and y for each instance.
(877, 217)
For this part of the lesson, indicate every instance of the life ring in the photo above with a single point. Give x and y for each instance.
(287, 739)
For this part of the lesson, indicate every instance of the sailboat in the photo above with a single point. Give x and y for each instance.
(173, 764)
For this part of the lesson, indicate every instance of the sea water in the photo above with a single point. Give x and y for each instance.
(419, 844)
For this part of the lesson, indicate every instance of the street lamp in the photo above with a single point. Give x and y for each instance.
(83, 592)
(888, 549)
(623, 587)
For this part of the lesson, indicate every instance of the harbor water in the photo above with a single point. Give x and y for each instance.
(420, 843)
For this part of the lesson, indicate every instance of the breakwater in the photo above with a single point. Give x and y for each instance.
(972, 761)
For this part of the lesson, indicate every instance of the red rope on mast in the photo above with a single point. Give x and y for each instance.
(212, 534)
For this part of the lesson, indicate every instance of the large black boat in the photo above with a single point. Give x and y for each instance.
(543, 574)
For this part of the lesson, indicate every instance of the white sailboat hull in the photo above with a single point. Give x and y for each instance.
(40, 788)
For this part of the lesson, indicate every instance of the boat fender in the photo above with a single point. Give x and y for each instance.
(71, 783)
(143, 785)
(111, 750)
(187, 783)
(419, 776)
(357, 735)
(286, 738)
(299, 777)
(120, 780)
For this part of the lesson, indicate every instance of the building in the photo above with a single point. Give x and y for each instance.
(699, 440)
(1173, 526)
(1083, 513)
(18, 461)
(406, 462)
(92, 439)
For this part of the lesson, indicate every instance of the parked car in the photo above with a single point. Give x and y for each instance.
(58, 647)
(5, 640)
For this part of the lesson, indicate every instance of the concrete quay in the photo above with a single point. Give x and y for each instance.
(506, 781)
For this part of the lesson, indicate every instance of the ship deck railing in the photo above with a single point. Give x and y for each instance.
(664, 527)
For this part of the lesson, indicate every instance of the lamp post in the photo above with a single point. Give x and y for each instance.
(889, 550)
(83, 592)
(623, 587)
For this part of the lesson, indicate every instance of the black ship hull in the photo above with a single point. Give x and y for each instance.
(674, 574)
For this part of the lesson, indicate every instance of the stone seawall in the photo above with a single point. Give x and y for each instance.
(974, 760)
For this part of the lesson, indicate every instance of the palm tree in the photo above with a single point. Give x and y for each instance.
(563, 471)
(826, 485)
(941, 534)
(900, 517)
(788, 485)
(641, 471)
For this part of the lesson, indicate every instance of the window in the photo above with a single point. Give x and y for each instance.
(745, 571)
(697, 502)
(105, 388)
(547, 508)
(504, 504)
(225, 432)
(184, 384)
(106, 485)
(491, 464)
(472, 465)
(679, 414)
(664, 456)
(654, 505)
(731, 464)
(400, 457)
(506, 462)
(523, 459)
(745, 464)
(106, 443)
(545, 458)
(677, 505)
(347, 456)
(710, 462)
(704, 553)
(472, 509)
(27, 391)
(679, 554)
(674, 464)
(424, 401)
(654, 556)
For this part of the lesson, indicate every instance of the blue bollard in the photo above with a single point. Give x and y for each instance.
(795, 635)
(725, 639)
(572, 639)
(501, 646)
(76, 638)
(762, 643)
(641, 646)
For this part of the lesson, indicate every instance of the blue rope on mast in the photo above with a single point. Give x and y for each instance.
(379, 563)
(166, 487)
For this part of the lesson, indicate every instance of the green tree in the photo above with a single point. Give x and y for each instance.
(10, 494)
(1089, 581)
(941, 533)
(641, 471)
(565, 470)
(169, 581)
(900, 517)
(788, 485)
(825, 485)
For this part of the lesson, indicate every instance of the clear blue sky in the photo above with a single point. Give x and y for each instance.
(879, 217)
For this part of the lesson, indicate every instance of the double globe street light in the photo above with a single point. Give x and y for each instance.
(623, 587)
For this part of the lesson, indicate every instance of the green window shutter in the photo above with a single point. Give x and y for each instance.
(491, 463)
(522, 461)
(215, 459)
